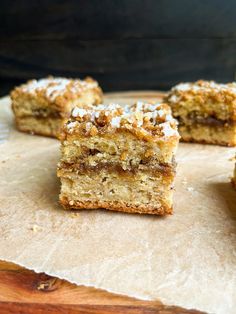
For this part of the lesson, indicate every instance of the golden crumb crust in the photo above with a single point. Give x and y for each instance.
(117, 206)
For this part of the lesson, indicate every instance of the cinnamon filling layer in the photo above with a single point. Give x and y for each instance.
(210, 121)
(42, 113)
(167, 170)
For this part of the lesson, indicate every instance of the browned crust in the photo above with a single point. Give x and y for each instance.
(116, 206)
(192, 140)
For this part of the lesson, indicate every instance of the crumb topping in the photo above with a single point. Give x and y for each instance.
(207, 88)
(52, 87)
(145, 119)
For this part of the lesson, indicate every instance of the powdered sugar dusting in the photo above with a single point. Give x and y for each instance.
(115, 122)
(173, 98)
(78, 112)
(202, 86)
(56, 86)
(183, 86)
(168, 130)
(72, 124)
(137, 115)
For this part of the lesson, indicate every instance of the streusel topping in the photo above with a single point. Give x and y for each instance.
(142, 118)
(52, 87)
(203, 88)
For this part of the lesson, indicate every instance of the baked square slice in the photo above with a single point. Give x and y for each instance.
(43, 106)
(119, 158)
(206, 112)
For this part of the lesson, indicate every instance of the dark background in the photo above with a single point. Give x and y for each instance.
(124, 44)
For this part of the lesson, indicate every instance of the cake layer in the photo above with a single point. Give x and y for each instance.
(27, 105)
(142, 192)
(121, 147)
(203, 133)
(43, 126)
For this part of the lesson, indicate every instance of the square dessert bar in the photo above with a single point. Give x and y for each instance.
(119, 158)
(43, 106)
(206, 112)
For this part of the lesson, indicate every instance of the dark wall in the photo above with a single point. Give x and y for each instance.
(125, 44)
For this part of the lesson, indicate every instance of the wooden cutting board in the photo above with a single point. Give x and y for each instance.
(24, 291)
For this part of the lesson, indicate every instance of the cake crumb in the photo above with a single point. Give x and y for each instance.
(190, 189)
(74, 214)
(35, 228)
(233, 158)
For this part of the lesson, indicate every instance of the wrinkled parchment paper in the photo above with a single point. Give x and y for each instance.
(188, 259)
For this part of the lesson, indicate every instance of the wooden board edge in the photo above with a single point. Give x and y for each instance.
(39, 308)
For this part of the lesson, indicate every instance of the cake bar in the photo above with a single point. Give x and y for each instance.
(119, 158)
(206, 112)
(43, 106)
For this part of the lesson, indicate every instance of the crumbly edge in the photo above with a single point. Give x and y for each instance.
(190, 139)
(116, 206)
(220, 143)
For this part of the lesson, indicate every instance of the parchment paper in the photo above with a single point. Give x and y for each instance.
(188, 259)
